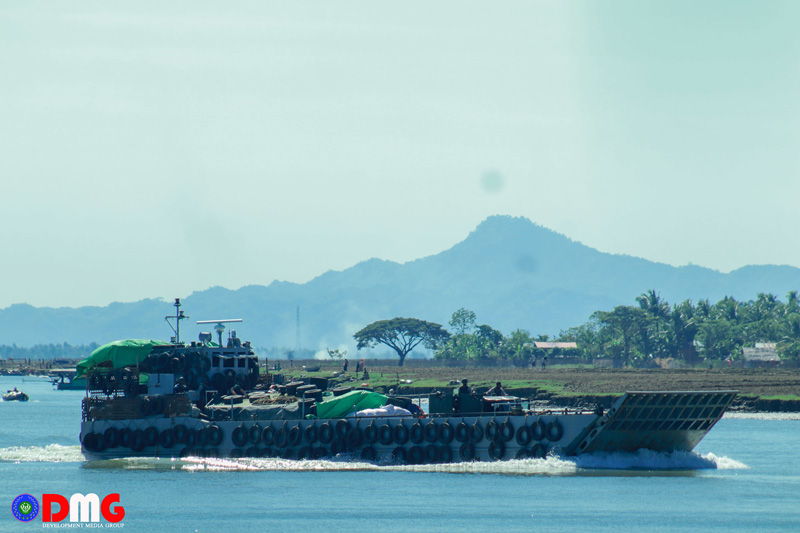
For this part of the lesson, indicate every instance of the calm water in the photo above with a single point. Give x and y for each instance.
(744, 476)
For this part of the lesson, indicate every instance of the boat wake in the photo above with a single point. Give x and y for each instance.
(52, 453)
(587, 464)
(641, 461)
(649, 460)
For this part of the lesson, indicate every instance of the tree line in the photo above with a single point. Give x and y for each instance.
(47, 351)
(688, 330)
(633, 334)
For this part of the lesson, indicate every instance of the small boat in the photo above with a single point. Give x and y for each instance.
(65, 380)
(15, 396)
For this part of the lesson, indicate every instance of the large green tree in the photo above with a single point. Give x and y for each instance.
(402, 335)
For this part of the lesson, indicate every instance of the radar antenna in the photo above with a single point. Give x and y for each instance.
(220, 325)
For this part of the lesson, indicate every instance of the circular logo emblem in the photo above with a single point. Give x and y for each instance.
(25, 507)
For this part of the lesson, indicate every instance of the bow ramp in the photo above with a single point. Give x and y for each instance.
(658, 421)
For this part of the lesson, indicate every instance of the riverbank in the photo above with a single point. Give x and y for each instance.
(767, 390)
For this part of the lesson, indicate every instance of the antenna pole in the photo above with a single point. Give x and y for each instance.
(177, 305)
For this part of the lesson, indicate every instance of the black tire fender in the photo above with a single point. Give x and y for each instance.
(179, 433)
(326, 433)
(385, 434)
(555, 431)
(215, 435)
(165, 439)
(111, 437)
(467, 451)
(310, 433)
(463, 432)
(368, 453)
(268, 436)
(477, 433)
(239, 436)
(497, 450)
(431, 431)
(371, 433)
(523, 435)
(416, 433)
(151, 436)
(400, 433)
(399, 454)
(506, 430)
(255, 433)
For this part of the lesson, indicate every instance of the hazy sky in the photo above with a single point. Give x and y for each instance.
(151, 149)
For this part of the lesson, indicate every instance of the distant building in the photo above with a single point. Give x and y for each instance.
(763, 354)
(551, 345)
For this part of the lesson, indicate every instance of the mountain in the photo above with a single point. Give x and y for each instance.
(510, 271)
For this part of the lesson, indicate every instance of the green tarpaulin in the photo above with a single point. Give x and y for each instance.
(345, 404)
(119, 354)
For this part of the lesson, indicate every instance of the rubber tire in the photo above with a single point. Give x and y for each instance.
(310, 434)
(179, 433)
(416, 455)
(282, 438)
(497, 450)
(326, 433)
(111, 437)
(268, 436)
(295, 435)
(342, 428)
(400, 434)
(431, 431)
(254, 433)
(416, 433)
(137, 440)
(523, 435)
(431, 453)
(463, 432)
(467, 451)
(368, 453)
(506, 431)
(165, 439)
(538, 430)
(555, 431)
(371, 434)
(355, 437)
(151, 436)
(446, 433)
(215, 435)
(239, 436)
(399, 454)
(385, 434)
(477, 433)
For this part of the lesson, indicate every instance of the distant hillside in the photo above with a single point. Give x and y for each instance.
(511, 272)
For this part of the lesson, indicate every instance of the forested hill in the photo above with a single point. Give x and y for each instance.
(509, 271)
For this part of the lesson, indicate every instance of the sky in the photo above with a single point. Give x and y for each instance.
(153, 149)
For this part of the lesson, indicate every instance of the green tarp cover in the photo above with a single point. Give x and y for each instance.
(119, 353)
(345, 404)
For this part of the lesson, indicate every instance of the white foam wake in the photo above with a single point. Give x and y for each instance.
(548, 466)
(650, 460)
(52, 453)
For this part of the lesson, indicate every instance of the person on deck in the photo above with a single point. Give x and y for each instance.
(344, 366)
(180, 386)
(497, 390)
(464, 388)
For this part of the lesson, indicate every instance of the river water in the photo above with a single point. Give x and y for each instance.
(744, 476)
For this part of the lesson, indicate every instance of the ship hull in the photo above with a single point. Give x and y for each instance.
(658, 421)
